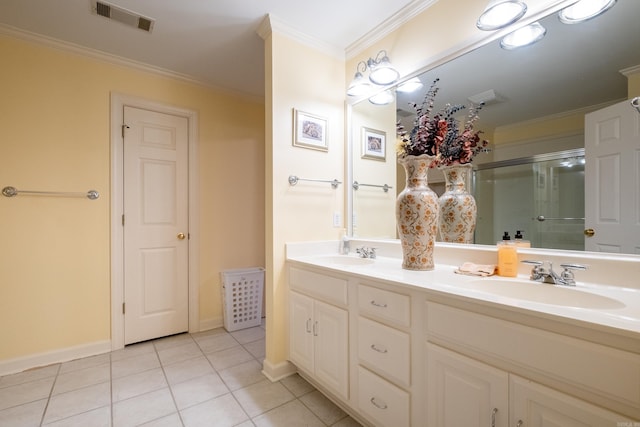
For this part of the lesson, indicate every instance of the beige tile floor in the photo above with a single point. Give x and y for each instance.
(211, 378)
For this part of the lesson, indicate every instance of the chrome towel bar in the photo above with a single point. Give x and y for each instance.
(12, 191)
(384, 187)
(293, 180)
(544, 218)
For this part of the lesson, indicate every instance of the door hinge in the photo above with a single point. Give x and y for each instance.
(122, 308)
(123, 220)
(124, 126)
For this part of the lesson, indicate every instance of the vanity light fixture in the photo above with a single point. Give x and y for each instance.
(410, 85)
(523, 36)
(584, 10)
(381, 73)
(501, 13)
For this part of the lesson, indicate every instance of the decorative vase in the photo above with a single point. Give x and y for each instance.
(417, 214)
(458, 209)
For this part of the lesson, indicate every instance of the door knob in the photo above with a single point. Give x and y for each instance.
(181, 236)
(589, 232)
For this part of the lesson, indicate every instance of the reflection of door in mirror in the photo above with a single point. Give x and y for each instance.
(612, 147)
(374, 166)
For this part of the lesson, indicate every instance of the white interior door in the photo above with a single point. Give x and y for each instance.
(156, 250)
(612, 179)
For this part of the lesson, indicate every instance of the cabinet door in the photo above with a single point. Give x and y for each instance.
(300, 331)
(464, 392)
(534, 405)
(331, 333)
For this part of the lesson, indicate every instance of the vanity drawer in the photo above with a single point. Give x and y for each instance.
(385, 350)
(384, 305)
(383, 403)
(328, 288)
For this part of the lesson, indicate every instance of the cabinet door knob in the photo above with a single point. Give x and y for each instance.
(181, 236)
(493, 417)
(589, 232)
(520, 423)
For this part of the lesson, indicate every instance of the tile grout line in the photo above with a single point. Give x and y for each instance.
(53, 384)
(173, 397)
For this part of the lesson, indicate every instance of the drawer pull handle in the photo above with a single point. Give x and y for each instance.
(378, 405)
(374, 303)
(308, 326)
(493, 417)
(315, 328)
(379, 350)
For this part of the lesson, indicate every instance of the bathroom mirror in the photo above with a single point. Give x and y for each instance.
(573, 69)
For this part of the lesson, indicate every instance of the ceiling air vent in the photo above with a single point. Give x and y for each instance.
(121, 15)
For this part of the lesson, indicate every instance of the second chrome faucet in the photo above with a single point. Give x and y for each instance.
(547, 275)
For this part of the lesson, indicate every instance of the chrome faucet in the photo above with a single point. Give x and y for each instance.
(547, 275)
(366, 252)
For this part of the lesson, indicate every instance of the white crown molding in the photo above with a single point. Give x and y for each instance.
(98, 55)
(271, 24)
(630, 70)
(577, 112)
(391, 24)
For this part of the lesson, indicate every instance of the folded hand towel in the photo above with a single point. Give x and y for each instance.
(472, 269)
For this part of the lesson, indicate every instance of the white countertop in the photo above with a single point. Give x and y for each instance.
(610, 309)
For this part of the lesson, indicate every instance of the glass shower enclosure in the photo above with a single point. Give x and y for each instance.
(542, 196)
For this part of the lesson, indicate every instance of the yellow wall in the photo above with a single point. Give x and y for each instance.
(376, 172)
(303, 78)
(54, 252)
(633, 85)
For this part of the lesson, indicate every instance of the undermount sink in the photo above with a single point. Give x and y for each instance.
(544, 293)
(343, 260)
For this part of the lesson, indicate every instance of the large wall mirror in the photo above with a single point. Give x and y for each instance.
(537, 99)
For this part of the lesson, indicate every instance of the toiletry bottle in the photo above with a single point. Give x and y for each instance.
(507, 257)
(519, 240)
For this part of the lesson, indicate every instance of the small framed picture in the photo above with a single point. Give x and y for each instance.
(309, 131)
(374, 144)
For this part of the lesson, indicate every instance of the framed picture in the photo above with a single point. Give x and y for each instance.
(309, 131)
(374, 144)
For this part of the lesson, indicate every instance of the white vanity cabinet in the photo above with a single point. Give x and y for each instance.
(396, 354)
(384, 356)
(318, 330)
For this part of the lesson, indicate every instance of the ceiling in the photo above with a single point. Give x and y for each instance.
(210, 41)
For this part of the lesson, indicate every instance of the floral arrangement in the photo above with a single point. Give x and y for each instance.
(440, 134)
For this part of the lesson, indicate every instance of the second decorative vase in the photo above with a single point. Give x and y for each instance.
(417, 214)
(457, 206)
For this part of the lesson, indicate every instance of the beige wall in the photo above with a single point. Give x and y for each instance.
(370, 199)
(55, 252)
(306, 79)
(633, 84)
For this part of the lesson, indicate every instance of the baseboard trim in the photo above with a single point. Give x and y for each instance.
(19, 364)
(212, 323)
(277, 371)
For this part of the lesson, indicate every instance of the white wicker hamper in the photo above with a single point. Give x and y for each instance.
(242, 291)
